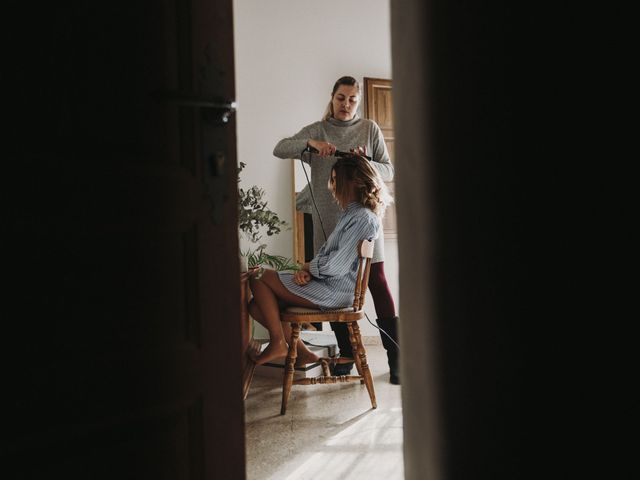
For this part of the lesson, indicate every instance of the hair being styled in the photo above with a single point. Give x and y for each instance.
(350, 81)
(355, 173)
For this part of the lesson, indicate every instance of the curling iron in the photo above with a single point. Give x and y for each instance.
(337, 153)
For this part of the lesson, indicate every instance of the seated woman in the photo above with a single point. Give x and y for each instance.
(327, 281)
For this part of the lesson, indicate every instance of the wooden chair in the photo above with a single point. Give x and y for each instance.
(296, 316)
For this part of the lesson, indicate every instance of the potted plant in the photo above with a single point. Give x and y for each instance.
(255, 219)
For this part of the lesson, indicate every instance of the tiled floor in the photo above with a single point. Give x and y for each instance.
(329, 431)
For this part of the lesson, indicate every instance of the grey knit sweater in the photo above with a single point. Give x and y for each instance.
(354, 133)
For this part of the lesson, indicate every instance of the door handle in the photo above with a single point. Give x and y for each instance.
(215, 112)
(213, 109)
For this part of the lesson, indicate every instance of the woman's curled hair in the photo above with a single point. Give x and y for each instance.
(370, 189)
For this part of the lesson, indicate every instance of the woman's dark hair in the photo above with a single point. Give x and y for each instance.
(346, 80)
(356, 172)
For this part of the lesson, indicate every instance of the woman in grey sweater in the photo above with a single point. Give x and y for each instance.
(341, 129)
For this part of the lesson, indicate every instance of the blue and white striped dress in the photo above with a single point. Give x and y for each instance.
(334, 268)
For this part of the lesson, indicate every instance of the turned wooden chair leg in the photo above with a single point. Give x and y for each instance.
(366, 372)
(354, 349)
(289, 367)
(325, 367)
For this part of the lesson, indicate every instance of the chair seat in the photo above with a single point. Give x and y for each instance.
(311, 311)
(304, 315)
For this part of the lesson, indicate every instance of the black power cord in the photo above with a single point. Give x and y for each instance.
(309, 150)
(383, 331)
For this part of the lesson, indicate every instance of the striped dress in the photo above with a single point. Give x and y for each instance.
(334, 267)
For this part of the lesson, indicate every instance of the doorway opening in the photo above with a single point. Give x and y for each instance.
(278, 92)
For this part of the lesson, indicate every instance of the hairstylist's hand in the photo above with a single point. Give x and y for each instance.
(325, 149)
(360, 150)
(301, 277)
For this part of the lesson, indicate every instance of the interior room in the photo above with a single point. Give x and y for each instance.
(123, 332)
(285, 69)
(286, 63)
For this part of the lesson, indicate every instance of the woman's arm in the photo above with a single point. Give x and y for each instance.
(292, 147)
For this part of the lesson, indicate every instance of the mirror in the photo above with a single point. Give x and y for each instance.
(302, 221)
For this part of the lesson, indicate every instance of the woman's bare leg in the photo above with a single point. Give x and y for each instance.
(268, 315)
(304, 354)
(266, 293)
(254, 311)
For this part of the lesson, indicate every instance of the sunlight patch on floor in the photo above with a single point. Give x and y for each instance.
(378, 428)
(329, 432)
(370, 448)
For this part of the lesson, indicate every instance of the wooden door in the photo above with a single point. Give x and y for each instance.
(121, 334)
(378, 106)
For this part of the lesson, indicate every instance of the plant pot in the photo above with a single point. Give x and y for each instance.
(244, 264)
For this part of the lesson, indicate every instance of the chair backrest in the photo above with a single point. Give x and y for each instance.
(365, 253)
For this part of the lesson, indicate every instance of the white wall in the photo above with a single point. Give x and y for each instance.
(288, 55)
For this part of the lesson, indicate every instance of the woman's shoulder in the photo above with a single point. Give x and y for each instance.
(363, 214)
(369, 221)
(372, 217)
(362, 220)
(314, 125)
(369, 126)
(368, 123)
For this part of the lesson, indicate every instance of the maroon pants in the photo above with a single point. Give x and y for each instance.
(382, 299)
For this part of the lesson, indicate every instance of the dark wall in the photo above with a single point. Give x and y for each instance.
(472, 173)
(114, 316)
(502, 158)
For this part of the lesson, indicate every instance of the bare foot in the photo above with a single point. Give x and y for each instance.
(275, 350)
(305, 356)
(253, 349)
